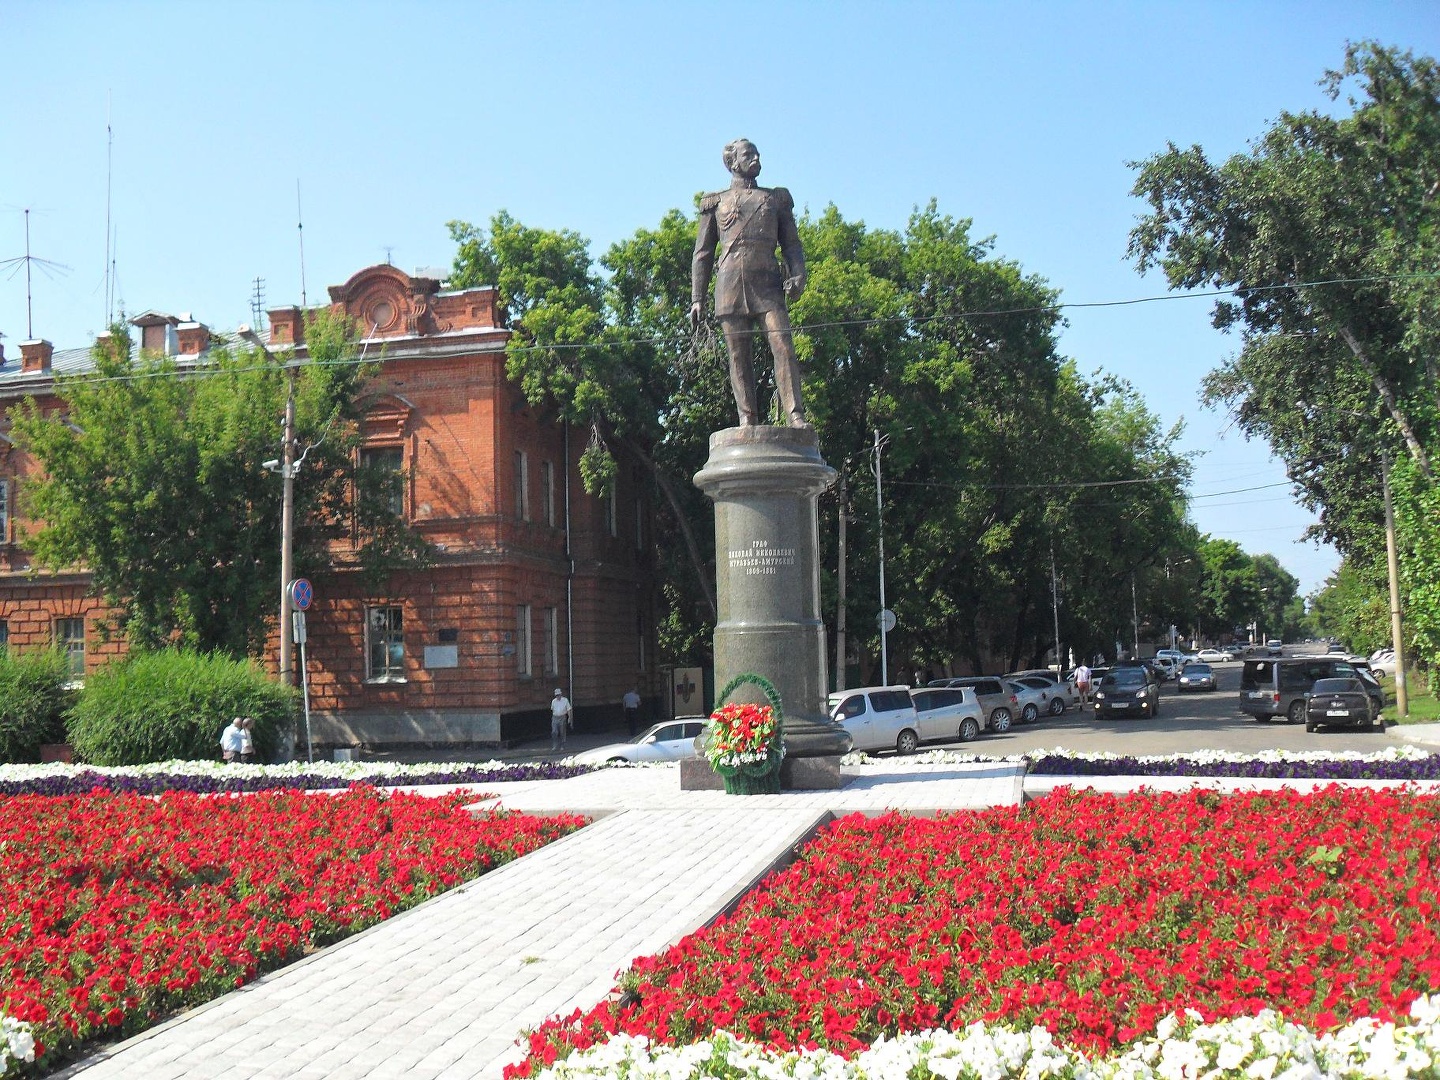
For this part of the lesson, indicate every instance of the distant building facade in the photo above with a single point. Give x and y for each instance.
(533, 584)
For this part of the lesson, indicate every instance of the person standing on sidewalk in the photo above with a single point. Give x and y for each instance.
(1082, 683)
(561, 718)
(631, 702)
(231, 740)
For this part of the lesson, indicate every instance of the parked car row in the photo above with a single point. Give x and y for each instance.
(1285, 686)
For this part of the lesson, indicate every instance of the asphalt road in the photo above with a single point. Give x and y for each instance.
(1187, 722)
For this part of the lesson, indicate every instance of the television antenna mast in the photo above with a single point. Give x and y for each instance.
(51, 269)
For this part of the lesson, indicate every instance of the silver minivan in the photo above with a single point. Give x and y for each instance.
(877, 717)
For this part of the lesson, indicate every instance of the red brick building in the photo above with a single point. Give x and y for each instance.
(534, 584)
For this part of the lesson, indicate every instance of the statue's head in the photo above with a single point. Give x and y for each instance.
(741, 158)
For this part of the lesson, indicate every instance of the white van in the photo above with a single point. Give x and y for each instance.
(877, 717)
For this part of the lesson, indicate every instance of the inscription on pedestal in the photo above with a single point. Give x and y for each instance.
(760, 558)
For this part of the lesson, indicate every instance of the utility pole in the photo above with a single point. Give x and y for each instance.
(1134, 618)
(1402, 701)
(287, 534)
(880, 525)
(840, 599)
(1055, 609)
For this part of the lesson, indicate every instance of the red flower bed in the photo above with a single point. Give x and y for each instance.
(117, 909)
(1093, 915)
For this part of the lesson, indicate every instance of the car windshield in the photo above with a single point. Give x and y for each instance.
(1124, 677)
(1196, 669)
(1337, 686)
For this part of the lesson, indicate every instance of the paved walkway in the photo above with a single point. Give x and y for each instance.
(444, 990)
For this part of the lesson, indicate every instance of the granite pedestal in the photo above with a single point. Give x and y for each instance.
(766, 482)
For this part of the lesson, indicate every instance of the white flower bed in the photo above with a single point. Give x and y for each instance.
(17, 1045)
(341, 771)
(1199, 757)
(1263, 1047)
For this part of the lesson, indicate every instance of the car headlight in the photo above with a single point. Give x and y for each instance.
(1099, 695)
(1142, 692)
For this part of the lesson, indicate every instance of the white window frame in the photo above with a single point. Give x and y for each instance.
(71, 645)
(522, 485)
(612, 513)
(380, 619)
(4, 509)
(552, 641)
(547, 491)
(523, 654)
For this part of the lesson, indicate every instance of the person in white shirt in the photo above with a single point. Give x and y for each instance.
(1082, 683)
(231, 741)
(561, 717)
(631, 701)
(247, 739)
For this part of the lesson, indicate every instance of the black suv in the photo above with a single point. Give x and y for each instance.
(1278, 687)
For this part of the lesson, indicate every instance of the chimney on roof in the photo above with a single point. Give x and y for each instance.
(157, 332)
(193, 338)
(2, 354)
(35, 355)
(287, 326)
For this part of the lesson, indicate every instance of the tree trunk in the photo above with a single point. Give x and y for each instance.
(667, 488)
(1387, 395)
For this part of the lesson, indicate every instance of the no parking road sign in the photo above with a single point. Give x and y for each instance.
(301, 594)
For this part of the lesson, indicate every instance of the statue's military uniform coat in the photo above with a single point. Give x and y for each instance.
(749, 223)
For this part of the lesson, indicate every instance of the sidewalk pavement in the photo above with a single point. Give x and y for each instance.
(444, 991)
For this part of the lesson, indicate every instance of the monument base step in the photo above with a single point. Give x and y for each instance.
(796, 774)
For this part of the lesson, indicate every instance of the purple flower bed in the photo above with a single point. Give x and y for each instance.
(83, 781)
(1419, 768)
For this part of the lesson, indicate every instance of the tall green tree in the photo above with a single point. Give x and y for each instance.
(151, 479)
(924, 335)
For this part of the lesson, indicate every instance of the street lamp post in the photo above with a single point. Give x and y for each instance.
(1392, 561)
(880, 526)
(285, 466)
(1392, 565)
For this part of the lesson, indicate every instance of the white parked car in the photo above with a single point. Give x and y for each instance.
(1059, 696)
(667, 741)
(947, 713)
(1032, 700)
(1383, 663)
(877, 718)
(1214, 656)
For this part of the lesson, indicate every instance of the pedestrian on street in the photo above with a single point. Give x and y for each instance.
(247, 739)
(1082, 683)
(231, 741)
(631, 701)
(561, 719)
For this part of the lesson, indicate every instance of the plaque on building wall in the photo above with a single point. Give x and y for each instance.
(687, 691)
(442, 656)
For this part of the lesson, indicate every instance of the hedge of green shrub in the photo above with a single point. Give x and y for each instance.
(33, 700)
(157, 706)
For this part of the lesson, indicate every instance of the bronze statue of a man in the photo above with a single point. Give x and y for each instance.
(750, 222)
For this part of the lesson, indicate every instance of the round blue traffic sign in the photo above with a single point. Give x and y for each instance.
(301, 594)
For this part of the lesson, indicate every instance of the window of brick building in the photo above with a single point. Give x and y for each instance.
(4, 635)
(522, 640)
(639, 525)
(547, 492)
(385, 644)
(552, 641)
(70, 639)
(5, 486)
(612, 514)
(522, 486)
(385, 471)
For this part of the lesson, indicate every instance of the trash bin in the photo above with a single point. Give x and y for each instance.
(347, 753)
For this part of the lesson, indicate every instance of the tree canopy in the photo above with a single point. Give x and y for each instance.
(151, 479)
(1324, 234)
(997, 451)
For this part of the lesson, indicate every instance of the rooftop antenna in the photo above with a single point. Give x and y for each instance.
(52, 269)
(389, 251)
(257, 304)
(300, 226)
(109, 162)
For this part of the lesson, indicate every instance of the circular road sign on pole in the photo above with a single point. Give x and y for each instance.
(886, 620)
(301, 594)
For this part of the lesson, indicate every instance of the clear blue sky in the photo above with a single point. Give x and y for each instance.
(396, 118)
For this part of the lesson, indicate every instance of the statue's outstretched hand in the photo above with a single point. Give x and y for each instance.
(696, 312)
(794, 286)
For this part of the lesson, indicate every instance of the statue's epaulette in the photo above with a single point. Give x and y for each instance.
(784, 198)
(709, 202)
